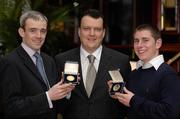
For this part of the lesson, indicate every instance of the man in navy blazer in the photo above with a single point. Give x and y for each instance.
(25, 94)
(99, 105)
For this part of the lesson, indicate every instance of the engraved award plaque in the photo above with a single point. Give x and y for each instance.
(71, 72)
(118, 82)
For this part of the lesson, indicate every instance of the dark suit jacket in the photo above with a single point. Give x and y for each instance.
(2, 66)
(23, 89)
(100, 105)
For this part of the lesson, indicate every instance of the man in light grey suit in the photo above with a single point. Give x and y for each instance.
(99, 105)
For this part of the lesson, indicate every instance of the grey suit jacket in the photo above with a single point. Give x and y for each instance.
(24, 90)
(100, 105)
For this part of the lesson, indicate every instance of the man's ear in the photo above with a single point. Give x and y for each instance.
(21, 32)
(104, 32)
(158, 43)
(78, 31)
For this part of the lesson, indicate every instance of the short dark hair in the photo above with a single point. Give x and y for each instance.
(92, 13)
(156, 34)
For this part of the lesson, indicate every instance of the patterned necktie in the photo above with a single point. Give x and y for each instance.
(91, 75)
(40, 67)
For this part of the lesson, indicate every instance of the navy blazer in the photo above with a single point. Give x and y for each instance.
(24, 90)
(100, 105)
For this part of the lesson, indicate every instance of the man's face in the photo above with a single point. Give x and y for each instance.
(145, 46)
(34, 33)
(91, 33)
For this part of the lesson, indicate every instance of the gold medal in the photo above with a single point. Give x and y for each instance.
(116, 87)
(70, 78)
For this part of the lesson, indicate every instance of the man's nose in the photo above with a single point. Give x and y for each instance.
(38, 33)
(92, 32)
(140, 43)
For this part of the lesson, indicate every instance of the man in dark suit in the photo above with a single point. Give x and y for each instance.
(97, 105)
(26, 93)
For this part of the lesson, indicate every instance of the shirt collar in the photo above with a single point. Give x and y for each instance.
(155, 62)
(96, 53)
(29, 51)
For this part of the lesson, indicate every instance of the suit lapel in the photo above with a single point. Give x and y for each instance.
(103, 68)
(46, 66)
(29, 63)
(48, 70)
(81, 89)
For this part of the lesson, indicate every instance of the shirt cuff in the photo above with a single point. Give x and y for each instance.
(49, 101)
(68, 96)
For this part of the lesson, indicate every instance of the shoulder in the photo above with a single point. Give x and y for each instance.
(1, 60)
(2, 64)
(47, 57)
(12, 56)
(9, 63)
(114, 53)
(166, 69)
(167, 74)
(68, 53)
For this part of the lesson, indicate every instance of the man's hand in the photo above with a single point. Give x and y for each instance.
(60, 90)
(125, 98)
(110, 85)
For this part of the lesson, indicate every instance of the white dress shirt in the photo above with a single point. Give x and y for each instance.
(31, 52)
(85, 61)
(155, 62)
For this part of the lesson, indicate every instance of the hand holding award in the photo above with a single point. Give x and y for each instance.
(71, 72)
(117, 82)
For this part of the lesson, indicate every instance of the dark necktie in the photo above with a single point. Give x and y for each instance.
(40, 67)
(91, 75)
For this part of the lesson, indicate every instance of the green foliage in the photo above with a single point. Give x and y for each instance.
(9, 13)
(59, 18)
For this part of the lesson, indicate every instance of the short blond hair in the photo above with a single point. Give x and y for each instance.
(31, 14)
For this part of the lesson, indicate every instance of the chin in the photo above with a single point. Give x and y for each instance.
(141, 58)
(36, 48)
